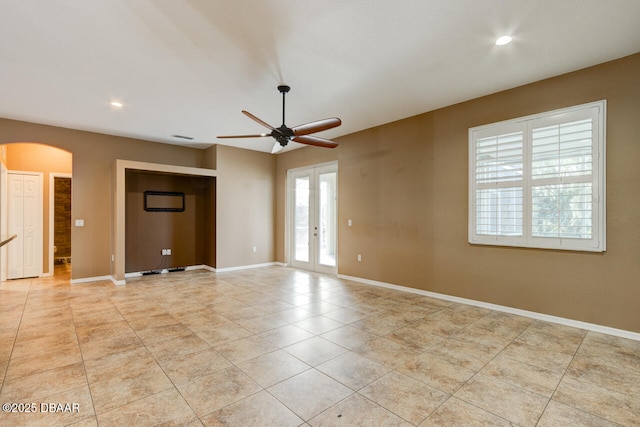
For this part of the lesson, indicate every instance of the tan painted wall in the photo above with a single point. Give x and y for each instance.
(245, 187)
(40, 158)
(93, 157)
(404, 185)
(245, 207)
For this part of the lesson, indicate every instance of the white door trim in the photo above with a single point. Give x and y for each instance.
(3, 220)
(313, 171)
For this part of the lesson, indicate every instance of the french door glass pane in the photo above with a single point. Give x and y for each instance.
(327, 219)
(301, 219)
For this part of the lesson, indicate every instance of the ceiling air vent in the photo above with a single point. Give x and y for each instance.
(182, 137)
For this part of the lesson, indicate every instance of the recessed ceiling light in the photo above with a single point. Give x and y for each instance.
(501, 41)
(116, 104)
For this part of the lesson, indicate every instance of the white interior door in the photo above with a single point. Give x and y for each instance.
(313, 198)
(16, 226)
(25, 220)
(4, 230)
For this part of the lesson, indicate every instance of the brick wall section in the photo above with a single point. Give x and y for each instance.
(62, 215)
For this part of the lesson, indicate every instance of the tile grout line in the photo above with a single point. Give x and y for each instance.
(84, 367)
(253, 294)
(158, 362)
(483, 366)
(564, 372)
(15, 338)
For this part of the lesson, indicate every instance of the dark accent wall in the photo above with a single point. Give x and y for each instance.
(189, 234)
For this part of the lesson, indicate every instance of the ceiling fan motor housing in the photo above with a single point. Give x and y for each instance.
(283, 135)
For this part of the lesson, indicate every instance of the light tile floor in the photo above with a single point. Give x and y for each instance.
(278, 346)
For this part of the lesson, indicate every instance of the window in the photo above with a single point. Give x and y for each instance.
(539, 181)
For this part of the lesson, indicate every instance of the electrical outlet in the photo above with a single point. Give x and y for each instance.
(359, 257)
(255, 249)
(164, 252)
(168, 251)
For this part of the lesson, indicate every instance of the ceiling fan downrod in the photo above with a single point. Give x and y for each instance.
(283, 90)
(284, 133)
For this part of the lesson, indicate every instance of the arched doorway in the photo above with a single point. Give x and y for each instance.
(52, 164)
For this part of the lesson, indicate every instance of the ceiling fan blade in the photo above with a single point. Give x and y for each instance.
(316, 126)
(314, 140)
(276, 147)
(245, 136)
(252, 117)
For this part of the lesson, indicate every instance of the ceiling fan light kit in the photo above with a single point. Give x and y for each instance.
(300, 134)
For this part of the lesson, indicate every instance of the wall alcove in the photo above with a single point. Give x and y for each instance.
(185, 232)
(139, 236)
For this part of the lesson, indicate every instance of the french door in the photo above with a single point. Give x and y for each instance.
(313, 227)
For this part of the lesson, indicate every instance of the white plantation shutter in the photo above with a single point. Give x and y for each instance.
(562, 175)
(538, 181)
(562, 150)
(499, 158)
(498, 178)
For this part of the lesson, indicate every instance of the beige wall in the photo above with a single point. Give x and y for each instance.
(40, 158)
(245, 207)
(404, 185)
(93, 157)
(245, 186)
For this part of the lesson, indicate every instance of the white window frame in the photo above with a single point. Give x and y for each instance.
(597, 243)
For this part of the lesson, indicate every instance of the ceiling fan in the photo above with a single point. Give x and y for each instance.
(301, 133)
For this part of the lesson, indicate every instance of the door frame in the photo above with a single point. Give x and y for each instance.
(289, 206)
(4, 225)
(52, 222)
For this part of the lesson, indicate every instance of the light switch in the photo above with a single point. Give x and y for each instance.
(79, 222)
(349, 223)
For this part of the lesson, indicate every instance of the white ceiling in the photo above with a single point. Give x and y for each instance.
(189, 67)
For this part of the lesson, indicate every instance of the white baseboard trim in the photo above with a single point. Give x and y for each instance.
(244, 267)
(525, 313)
(91, 279)
(200, 267)
(165, 271)
(118, 282)
(213, 269)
